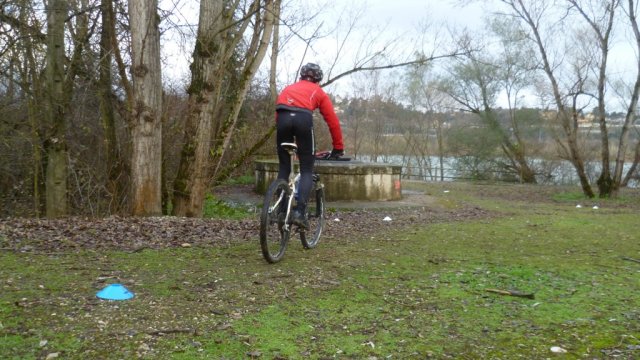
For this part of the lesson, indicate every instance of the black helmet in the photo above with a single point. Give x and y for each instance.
(311, 72)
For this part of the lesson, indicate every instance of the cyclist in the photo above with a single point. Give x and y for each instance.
(294, 118)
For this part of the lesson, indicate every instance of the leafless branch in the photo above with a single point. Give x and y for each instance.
(420, 61)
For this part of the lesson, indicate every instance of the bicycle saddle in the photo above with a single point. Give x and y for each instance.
(289, 146)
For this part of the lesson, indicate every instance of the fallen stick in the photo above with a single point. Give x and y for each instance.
(171, 331)
(512, 293)
(159, 332)
(631, 259)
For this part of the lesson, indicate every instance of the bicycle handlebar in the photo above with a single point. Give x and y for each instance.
(326, 155)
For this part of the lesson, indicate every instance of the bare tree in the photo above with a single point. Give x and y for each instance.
(56, 147)
(532, 13)
(215, 100)
(600, 17)
(354, 119)
(586, 77)
(146, 122)
(475, 83)
(60, 86)
(424, 95)
(630, 118)
(370, 120)
(264, 24)
(114, 161)
(22, 69)
(263, 138)
(515, 71)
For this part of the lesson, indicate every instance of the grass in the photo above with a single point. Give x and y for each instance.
(216, 208)
(241, 180)
(416, 293)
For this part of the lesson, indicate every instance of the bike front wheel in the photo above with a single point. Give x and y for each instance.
(274, 235)
(315, 215)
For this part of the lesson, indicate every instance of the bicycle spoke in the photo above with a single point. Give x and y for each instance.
(315, 215)
(274, 235)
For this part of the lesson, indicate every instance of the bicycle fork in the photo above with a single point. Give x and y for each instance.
(288, 212)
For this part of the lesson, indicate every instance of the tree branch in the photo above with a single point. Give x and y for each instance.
(421, 61)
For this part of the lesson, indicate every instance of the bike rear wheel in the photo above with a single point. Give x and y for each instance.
(315, 215)
(274, 236)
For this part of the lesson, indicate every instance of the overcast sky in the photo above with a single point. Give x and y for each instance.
(405, 15)
(400, 20)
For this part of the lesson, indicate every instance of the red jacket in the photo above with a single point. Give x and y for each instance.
(308, 95)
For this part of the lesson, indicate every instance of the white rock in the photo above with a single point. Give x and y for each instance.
(558, 350)
(386, 219)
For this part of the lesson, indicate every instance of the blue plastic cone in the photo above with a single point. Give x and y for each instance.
(115, 292)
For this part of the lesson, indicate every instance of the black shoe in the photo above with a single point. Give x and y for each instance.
(300, 219)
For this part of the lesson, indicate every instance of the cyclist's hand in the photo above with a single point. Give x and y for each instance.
(336, 154)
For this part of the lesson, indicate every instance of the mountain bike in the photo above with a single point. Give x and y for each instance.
(276, 215)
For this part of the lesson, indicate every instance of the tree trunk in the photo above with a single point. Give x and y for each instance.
(258, 50)
(571, 132)
(240, 159)
(602, 30)
(634, 166)
(527, 175)
(216, 41)
(146, 122)
(56, 147)
(273, 90)
(32, 80)
(515, 152)
(567, 121)
(630, 116)
(209, 58)
(440, 139)
(107, 114)
(56, 181)
(192, 179)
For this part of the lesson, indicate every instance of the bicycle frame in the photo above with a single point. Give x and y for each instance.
(291, 148)
(275, 226)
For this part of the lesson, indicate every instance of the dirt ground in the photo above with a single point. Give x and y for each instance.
(344, 219)
(420, 205)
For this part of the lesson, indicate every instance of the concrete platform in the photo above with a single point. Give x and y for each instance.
(246, 196)
(343, 180)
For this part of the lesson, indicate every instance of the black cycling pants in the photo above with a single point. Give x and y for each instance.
(293, 126)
